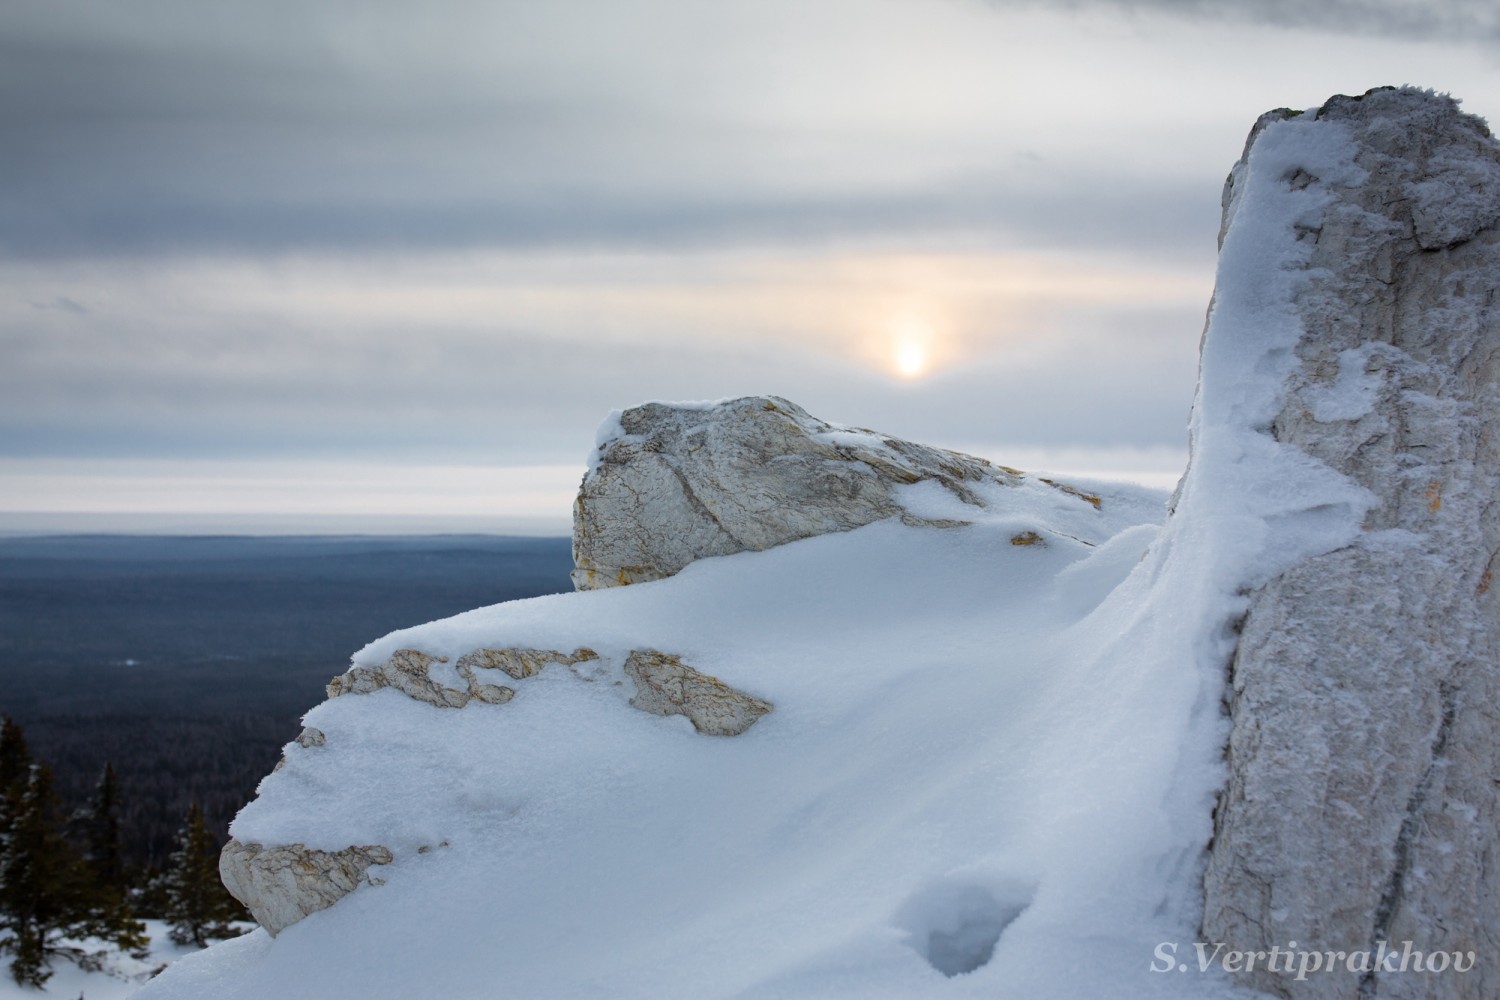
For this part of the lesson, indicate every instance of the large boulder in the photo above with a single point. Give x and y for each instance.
(670, 483)
(1361, 809)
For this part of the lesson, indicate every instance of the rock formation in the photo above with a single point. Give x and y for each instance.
(281, 885)
(410, 672)
(1364, 761)
(674, 483)
(667, 686)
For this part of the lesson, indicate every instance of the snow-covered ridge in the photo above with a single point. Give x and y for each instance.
(979, 727)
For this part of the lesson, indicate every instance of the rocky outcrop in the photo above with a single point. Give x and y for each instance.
(1364, 760)
(309, 737)
(672, 483)
(664, 685)
(281, 885)
(410, 672)
(518, 664)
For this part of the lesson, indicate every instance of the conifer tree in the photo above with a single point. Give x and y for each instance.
(40, 881)
(15, 771)
(110, 914)
(198, 907)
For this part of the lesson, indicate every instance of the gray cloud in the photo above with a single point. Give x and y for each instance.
(1471, 21)
(503, 402)
(63, 303)
(140, 139)
(288, 127)
(159, 127)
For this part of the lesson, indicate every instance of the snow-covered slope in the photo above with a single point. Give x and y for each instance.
(964, 740)
(110, 973)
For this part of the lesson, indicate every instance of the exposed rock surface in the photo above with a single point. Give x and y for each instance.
(518, 663)
(410, 672)
(281, 885)
(679, 482)
(666, 686)
(1365, 690)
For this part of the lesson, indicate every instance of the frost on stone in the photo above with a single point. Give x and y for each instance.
(1361, 805)
(677, 483)
(410, 672)
(281, 885)
(665, 685)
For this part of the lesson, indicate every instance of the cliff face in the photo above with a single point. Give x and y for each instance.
(1364, 760)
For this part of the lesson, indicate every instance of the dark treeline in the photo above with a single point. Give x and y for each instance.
(68, 891)
(186, 663)
(164, 764)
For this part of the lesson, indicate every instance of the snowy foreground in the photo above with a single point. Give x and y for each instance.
(970, 736)
(119, 975)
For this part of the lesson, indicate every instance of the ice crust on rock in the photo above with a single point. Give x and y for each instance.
(1361, 804)
(670, 483)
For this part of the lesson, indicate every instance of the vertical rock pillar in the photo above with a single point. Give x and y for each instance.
(1362, 809)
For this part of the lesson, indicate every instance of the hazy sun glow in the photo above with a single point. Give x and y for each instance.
(911, 359)
(911, 344)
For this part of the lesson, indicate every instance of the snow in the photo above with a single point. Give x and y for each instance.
(610, 430)
(947, 747)
(1353, 392)
(118, 977)
(990, 769)
(852, 437)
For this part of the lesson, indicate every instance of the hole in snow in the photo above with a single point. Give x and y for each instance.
(955, 926)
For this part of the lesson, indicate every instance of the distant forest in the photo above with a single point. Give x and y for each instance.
(187, 662)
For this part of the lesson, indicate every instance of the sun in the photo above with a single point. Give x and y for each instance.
(910, 359)
(911, 340)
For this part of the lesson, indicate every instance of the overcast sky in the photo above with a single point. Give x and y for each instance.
(315, 257)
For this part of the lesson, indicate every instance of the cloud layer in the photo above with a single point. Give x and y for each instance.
(466, 230)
